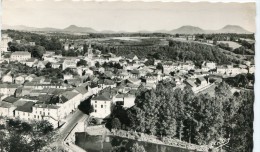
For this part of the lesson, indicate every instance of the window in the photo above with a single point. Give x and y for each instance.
(40, 112)
(101, 106)
(95, 101)
(34, 116)
(48, 113)
(95, 110)
(95, 105)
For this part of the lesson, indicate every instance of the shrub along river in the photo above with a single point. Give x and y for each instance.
(97, 144)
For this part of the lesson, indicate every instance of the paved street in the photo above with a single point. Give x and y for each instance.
(70, 123)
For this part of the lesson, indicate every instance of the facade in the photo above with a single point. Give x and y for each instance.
(4, 43)
(20, 56)
(102, 106)
(8, 89)
(69, 63)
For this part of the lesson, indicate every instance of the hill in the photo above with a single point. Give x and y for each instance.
(233, 29)
(188, 30)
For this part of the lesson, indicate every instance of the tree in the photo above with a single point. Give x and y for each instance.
(97, 64)
(48, 65)
(137, 148)
(159, 67)
(116, 124)
(3, 141)
(86, 107)
(38, 51)
(82, 63)
(43, 127)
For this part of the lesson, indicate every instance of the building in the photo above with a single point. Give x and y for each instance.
(7, 78)
(4, 43)
(20, 56)
(69, 63)
(101, 105)
(20, 79)
(32, 43)
(24, 112)
(8, 89)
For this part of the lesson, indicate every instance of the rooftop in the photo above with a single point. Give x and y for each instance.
(21, 53)
(27, 107)
(101, 98)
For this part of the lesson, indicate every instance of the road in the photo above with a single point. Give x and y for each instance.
(64, 130)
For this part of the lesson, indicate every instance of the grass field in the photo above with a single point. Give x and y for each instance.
(232, 44)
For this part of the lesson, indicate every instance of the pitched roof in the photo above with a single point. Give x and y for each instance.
(135, 71)
(101, 98)
(191, 83)
(82, 89)
(201, 79)
(48, 106)
(10, 99)
(21, 53)
(4, 85)
(67, 96)
(27, 107)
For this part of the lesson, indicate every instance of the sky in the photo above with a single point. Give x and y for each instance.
(127, 16)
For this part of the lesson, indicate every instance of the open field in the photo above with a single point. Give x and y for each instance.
(231, 44)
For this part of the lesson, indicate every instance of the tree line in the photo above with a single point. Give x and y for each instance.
(199, 119)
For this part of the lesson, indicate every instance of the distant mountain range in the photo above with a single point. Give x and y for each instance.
(182, 30)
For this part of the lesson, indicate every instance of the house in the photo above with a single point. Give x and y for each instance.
(7, 78)
(127, 100)
(20, 56)
(104, 83)
(41, 64)
(67, 76)
(68, 102)
(197, 85)
(6, 109)
(83, 90)
(47, 112)
(69, 63)
(24, 112)
(19, 79)
(208, 66)
(32, 43)
(56, 65)
(101, 105)
(8, 89)
(30, 62)
(93, 88)
(132, 57)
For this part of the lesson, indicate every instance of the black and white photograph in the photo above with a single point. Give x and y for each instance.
(127, 76)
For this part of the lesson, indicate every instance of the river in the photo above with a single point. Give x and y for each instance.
(95, 144)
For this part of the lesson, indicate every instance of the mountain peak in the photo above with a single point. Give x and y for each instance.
(233, 29)
(188, 29)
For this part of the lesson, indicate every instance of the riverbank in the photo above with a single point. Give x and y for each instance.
(156, 140)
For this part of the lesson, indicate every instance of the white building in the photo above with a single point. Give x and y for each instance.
(8, 89)
(20, 56)
(102, 106)
(4, 43)
(69, 63)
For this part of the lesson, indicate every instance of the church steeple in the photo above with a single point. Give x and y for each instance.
(90, 51)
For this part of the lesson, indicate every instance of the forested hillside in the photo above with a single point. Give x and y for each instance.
(199, 119)
(176, 50)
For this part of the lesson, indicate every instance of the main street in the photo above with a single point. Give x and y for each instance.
(68, 126)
